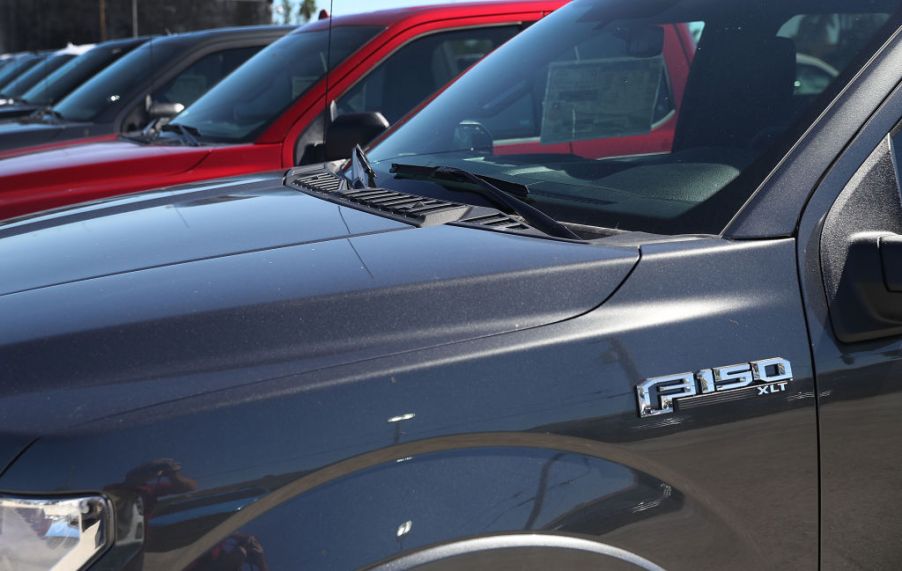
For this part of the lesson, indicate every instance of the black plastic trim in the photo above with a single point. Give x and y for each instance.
(401, 206)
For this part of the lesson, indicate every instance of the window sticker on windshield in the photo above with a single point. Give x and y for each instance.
(300, 84)
(601, 98)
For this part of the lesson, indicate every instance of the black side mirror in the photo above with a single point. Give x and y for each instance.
(348, 131)
(891, 258)
(868, 301)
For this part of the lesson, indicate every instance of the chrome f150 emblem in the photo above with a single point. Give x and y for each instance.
(658, 395)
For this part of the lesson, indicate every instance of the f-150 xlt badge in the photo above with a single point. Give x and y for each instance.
(658, 395)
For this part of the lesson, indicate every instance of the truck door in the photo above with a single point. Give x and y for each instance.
(850, 263)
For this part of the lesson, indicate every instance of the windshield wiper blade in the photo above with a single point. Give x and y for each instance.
(506, 200)
(188, 134)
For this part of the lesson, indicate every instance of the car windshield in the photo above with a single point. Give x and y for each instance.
(71, 75)
(256, 93)
(33, 76)
(651, 115)
(116, 82)
(12, 70)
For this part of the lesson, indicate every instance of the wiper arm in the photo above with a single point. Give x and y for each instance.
(362, 173)
(188, 134)
(45, 115)
(506, 200)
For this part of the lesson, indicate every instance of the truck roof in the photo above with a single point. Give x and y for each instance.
(448, 10)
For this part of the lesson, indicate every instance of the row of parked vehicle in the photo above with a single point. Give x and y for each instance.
(604, 284)
(116, 133)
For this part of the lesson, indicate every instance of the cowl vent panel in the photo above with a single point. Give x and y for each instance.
(409, 208)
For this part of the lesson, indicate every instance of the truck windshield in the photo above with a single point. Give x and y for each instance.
(652, 115)
(255, 94)
(68, 77)
(37, 74)
(117, 82)
(17, 67)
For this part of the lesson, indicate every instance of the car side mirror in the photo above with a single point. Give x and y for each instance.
(891, 260)
(352, 129)
(472, 136)
(158, 110)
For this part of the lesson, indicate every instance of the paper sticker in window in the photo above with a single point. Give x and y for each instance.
(601, 98)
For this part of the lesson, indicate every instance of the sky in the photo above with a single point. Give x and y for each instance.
(354, 6)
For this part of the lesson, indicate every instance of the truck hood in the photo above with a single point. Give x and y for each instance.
(78, 165)
(138, 300)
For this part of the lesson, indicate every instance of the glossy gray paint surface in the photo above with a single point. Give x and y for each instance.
(540, 421)
(156, 287)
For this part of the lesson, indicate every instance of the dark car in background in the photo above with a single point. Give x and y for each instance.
(11, 92)
(64, 80)
(438, 356)
(158, 79)
(17, 65)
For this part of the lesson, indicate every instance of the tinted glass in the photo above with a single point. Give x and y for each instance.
(117, 82)
(260, 90)
(197, 78)
(33, 76)
(16, 68)
(646, 115)
(419, 69)
(62, 81)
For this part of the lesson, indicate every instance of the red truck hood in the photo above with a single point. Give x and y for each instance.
(122, 165)
(123, 156)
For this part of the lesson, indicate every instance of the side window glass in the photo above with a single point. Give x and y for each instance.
(419, 69)
(199, 77)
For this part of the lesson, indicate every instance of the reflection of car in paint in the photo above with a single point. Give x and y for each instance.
(437, 357)
(269, 114)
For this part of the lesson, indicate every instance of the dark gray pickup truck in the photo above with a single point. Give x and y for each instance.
(507, 336)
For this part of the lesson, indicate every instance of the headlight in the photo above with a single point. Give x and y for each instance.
(52, 533)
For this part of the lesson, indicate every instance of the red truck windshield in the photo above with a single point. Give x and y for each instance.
(643, 115)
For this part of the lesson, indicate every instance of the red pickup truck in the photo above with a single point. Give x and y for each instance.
(270, 112)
